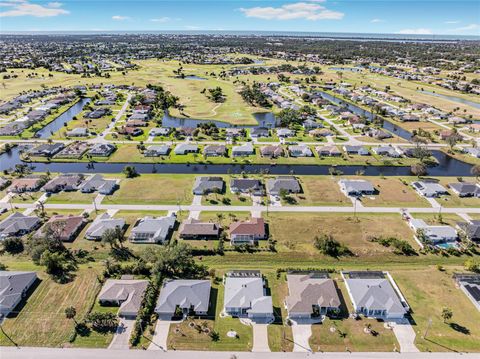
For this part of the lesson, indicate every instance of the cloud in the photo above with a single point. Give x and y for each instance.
(162, 19)
(192, 27)
(420, 31)
(299, 10)
(451, 22)
(25, 8)
(374, 21)
(120, 18)
(466, 28)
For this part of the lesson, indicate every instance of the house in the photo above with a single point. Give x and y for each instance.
(258, 132)
(469, 283)
(247, 232)
(285, 132)
(65, 227)
(4, 183)
(311, 295)
(18, 224)
(356, 150)
(184, 148)
(388, 151)
(47, 149)
(101, 150)
(245, 296)
(429, 189)
(272, 151)
(246, 149)
(375, 294)
(101, 224)
(283, 183)
(247, 186)
(190, 296)
(65, 182)
(234, 132)
(14, 287)
(474, 152)
(311, 124)
(194, 229)
(440, 236)
(156, 150)
(204, 185)
(214, 151)
(300, 151)
(78, 132)
(73, 150)
(320, 132)
(97, 183)
(159, 131)
(329, 150)
(471, 230)
(152, 230)
(379, 134)
(356, 187)
(25, 184)
(465, 189)
(98, 112)
(126, 293)
(130, 131)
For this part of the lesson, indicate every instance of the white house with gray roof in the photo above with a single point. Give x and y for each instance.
(97, 183)
(429, 189)
(184, 148)
(101, 224)
(126, 293)
(436, 235)
(286, 183)
(245, 296)
(204, 185)
(375, 294)
(18, 224)
(356, 187)
(152, 229)
(246, 149)
(191, 296)
(13, 288)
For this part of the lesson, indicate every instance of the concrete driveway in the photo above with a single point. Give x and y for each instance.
(301, 335)
(406, 337)
(260, 338)
(159, 340)
(121, 338)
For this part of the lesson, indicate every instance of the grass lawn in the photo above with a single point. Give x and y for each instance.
(41, 319)
(72, 197)
(453, 200)
(320, 191)
(295, 232)
(153, 189)
(428, 291)
(349, 334)
(393, 193)
(280, 337)
(433, 219)
(26, 197)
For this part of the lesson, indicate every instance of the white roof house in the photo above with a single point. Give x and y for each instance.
(245, 296)
(429, 189)
(101, 224)
(190, 295)
(152, 230)
(127, 293)
(434, 234)
(356, 187)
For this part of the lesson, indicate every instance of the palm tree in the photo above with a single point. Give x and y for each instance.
(70, 313)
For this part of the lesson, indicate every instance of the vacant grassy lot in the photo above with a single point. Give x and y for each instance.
(72, 197)
(339, 335)
(320, 191)
(26, 197)
(428, 291)
(95, 339)
(392, 192)
(295, 233)
(41, 321)
(435, 219)
(153, 189)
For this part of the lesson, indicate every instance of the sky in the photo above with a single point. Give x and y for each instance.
(354, 16)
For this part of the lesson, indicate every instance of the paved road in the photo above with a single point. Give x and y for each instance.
(57, 353)
(121, 338)
(111, 125)
(201, 208)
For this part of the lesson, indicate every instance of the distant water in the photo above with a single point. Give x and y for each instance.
(325, 35)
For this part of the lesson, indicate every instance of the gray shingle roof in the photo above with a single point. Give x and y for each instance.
(184, 293)
(247, 293)
(18, 223)
(101, 224)
(12, 287)
(288, 183)
(127, 291)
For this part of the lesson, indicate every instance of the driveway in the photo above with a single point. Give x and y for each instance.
(121, 338)
(159, 340)
(260, 338)
(301, 335)
(406, 337)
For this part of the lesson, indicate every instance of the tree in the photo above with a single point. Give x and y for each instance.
(57, 264)
(472, 265)
(114, 237)
(447, 314)
(327, 245)
(103, 322)
(130, 172)
(13, 245)
(475, 171)
(418, 169)
(70, 313)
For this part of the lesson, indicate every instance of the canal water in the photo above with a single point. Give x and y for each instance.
(65, 117)
(266, 119)
(453, 98)
(448, 166)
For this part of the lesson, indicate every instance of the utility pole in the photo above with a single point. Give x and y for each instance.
(427, 328)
